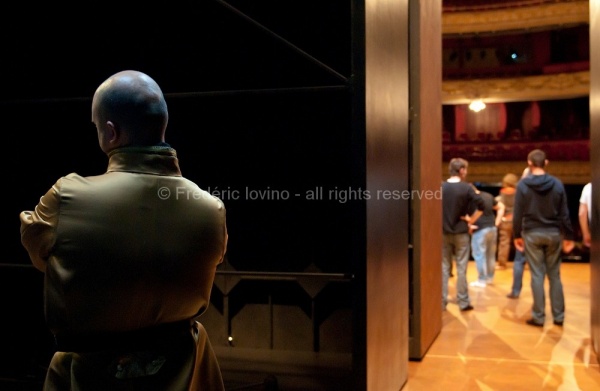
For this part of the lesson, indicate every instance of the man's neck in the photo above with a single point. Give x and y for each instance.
(454, 179)
(537, 171)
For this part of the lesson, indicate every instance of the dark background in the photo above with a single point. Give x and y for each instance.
(257, 104)
(259, 96)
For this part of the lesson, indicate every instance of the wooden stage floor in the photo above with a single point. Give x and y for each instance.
(491, 348)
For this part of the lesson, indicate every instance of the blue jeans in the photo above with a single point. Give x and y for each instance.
(518, 267)
(457, 246)
(543, 253)
(483, 246)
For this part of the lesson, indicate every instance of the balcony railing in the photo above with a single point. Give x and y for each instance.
(517, 150)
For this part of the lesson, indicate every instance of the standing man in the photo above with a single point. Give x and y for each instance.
(505, 229)
(129, 256)
(484, 239)
(518, 262)
(585, 214)
(542, 229)
(457, 195)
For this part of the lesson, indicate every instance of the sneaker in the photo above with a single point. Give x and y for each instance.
(467, 308)
(512, 296)
(558, 322)
(532, 322)
(489, 281)
(478, 284)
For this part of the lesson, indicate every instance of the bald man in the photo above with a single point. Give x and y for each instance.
(129, 256)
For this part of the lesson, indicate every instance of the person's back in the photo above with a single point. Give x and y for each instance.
(129, 256)
(488, 217)
(543, 200)
(456, 199)
(484, 239)
(154, 238)
(507, 197)
(542, 229)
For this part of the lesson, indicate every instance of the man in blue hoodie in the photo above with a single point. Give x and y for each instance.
(542, 229)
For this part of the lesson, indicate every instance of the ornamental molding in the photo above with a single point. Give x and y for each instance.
(518, 18)
(544, 87)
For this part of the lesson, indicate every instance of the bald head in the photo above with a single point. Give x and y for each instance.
(129, 108)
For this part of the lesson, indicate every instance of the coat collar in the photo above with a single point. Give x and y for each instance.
(156, 160)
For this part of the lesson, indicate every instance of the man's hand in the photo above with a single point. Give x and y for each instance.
(519, 244)
(567, 246)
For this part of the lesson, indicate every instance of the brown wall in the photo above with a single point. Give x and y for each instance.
(595, 163)
(386, 77)
(426, 216)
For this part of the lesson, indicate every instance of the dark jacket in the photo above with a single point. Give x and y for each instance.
(488, 218)
(541, 204)
(456, 199)
(129, 258)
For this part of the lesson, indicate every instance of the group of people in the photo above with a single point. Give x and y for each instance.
(531, 212)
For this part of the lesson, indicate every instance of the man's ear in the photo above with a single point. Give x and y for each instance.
(112, 132)
(546, 162)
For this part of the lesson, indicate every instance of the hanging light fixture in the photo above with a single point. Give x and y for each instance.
(477, 105)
